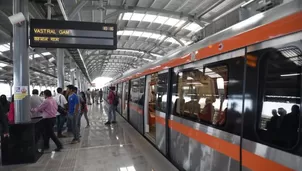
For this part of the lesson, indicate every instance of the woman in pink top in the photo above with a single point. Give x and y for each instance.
(11, 112)
(49, 110)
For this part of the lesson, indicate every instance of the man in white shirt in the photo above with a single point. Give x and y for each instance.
(35, 101)
(61, 100)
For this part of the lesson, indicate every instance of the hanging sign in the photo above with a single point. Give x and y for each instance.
(72, 34)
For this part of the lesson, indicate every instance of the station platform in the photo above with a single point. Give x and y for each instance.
(117, 147)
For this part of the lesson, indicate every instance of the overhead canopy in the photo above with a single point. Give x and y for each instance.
(147, 31)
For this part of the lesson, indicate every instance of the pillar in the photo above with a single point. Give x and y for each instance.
(60, 68)
(21, 62)
(102, 11)
(78, 78)
(72, 81)
(10, 89)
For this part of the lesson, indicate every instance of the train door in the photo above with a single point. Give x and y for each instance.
(149, 126)
(125, 101)
(136, 103)
(119, 93)
(150, 103)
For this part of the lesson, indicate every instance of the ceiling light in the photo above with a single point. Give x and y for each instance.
(186, 42)
(120, 33)
(180, 23)
(171, 40)
(146, 34)
(162, 37)
(127, 16)
(137, 33)
(193, 27)
(51, 59)
(172, 21)
(46, 53)
(149, 60)
(155, 36)
(37, 55)
(3, 65)
(156, 55)
(127, 33)
(4, 47)
(137, 16)
(149, 18)
(127, 50)
(160, 19)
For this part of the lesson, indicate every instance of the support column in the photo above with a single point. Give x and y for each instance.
(10, 89)
(78, 79)
(102, 11)
(71, 71)
(21, 61)
(60, 68)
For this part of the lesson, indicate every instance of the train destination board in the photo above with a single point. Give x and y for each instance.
(72, 34)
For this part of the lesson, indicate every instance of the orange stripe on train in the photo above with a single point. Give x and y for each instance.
(250, 160)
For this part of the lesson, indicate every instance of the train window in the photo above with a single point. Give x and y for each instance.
(280, 88)
(119, 93)
(137, 91)
(201, 94)
(162, 90)
(134, 91)
(125, 99)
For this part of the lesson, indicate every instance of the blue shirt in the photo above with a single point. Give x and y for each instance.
(73, 100)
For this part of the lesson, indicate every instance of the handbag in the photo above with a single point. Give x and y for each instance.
(61, 109)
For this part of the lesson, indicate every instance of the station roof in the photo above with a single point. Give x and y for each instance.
(147, 31)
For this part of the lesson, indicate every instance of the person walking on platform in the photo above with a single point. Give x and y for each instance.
(101, 95)
(93, 96)
(88, 97)
(73, 112)
(84, 111)
(97, 96)
(49, 109)
(35, 101)
(62, 102)
(112, 105)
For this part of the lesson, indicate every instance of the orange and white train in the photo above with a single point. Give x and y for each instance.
(229, 102)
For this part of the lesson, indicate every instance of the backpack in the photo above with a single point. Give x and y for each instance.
(115, 99)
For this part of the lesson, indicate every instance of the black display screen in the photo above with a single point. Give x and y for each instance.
(72, 34)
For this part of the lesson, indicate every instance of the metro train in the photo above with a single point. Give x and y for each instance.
(231, 101)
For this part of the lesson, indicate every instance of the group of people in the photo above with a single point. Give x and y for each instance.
(73, 106)
(66, 106)
(283, 127)
(95, 96)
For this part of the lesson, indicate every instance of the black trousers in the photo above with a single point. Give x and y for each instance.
(48, 124)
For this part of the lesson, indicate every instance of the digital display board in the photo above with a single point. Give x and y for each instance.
(72, 34)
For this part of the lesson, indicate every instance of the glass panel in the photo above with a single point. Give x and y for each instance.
(119, 93)
(281, 90)
(200, 94)
(162, 91)
(125, 99)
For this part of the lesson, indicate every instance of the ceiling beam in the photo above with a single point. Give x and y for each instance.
(123, 9)
(113, 52)
(77, 8)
